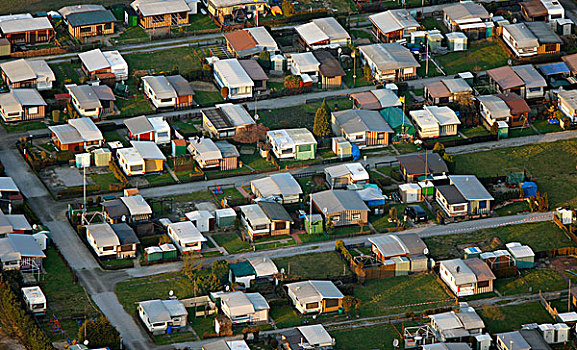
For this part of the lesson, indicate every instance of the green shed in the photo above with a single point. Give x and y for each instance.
(153, 253)
(178, 147)
(130, 17)
(225, 217)
(522, 254)
(427, 188)
(314, 223)
(402, 265)
(118, 11)
(169, 251)
(398, 121)
(242, 273)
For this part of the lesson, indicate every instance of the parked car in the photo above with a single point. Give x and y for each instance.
(416, 213)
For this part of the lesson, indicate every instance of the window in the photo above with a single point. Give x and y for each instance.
(381, 136)
(535, 89)
(459, 208)
(107, 26)
(482, 204)
(359, 137)
(311, 306)
(483, 284)
(356, 216)
(556, 16)
(109, 248)
(163, 134)
(336, 218)
(305, 148)
(550, 47)
(281, 225)
(88, 110)
(85, 29)
(331, 303)
(33, 110)
(136, 168)
(261, 227)
(166, 100)
(158, 19)
(287, 151)
(37, 306)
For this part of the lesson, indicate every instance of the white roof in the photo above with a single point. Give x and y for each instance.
(25, 25)
(255, 214)
(444, 115)
(389, 56)
(393, 20)
(160, 86)
(424, 119)
(103, 235)
(18, 222)
(312, 291)
(460, 271)
(12, 17)
(456, 35)
(262, 37)
(236, 114)
(470, 187)
(409, 186)
(496, 106)
(387, 98)
(278, 184)
(292, 137)
(263, 266)
(204, 149)
(148, 149)
(136, 205)
(305, 61)
(159, 7)
(332, 28)
(86, 128)
(159, 124)
(232, 72)
(311, 33)
(316, 334)
(131, 155)
(187, 232)
(520, 251)
(21, 70)
(355, 170)
(34, 294)
(94, 60)
(568, 316)
(240, 303)
(199, 214)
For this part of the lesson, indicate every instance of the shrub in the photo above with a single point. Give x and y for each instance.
(64, 156)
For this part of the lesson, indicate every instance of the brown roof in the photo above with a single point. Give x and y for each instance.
(253, 69)
(571, 61)
(366, 100)
(240, 40)
(534, 8)
(480, 269)
(438, 90)
(515, 103)
(505, 77)
(330, 66)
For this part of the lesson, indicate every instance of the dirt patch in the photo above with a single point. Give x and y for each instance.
(202, 86)
(9, 343)
(562, 263)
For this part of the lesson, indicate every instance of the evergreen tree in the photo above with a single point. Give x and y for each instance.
(321, 126)
(99, 333)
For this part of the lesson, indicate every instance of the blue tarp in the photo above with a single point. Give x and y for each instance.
(355, 152)
(372, 196)
(529, 189)
(554, 68)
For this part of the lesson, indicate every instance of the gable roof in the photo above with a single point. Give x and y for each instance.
(21, 97)
(204, 149)
(470, 187)
(159, 7)
(283, 184)
(394, 20)
(180, 85)
(160, 86)
(25, 25)
(275, 211)
(495, 105)
(241, 40)
(103, 235)
(93, 60)
(505, 77)
(305, 61)
(291, 137)
(262, 37)
(138, 125)
(90, 18)
(232, 71)
(544, 33)
(466, 10)
(227, 150)
(389, 56)
(415, 163)
(187, 232)
(329, 65)
(125, 233)
(314, 290)
(359, 120)
(23, 70)
(332, 28)
(480, 269)
(516, 104)
(253, 69)
(77, 130)
(337, 201)
(530, 76)
(148, 150)
(443, 115)
(136, 205)
(571, 61)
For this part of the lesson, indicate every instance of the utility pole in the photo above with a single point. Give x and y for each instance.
(427, 54)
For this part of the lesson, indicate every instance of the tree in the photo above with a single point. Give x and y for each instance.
(288, 9)
(321, 127)
(439, 148)
(99, 333)
(220, 270)
(293, 82)
(367, 72)
(264, 59)
(494, 129)
(56, 116)
(191, 266)
(251, 134)
(350, 302)
(224, 92)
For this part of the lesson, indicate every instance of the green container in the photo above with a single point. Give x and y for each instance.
(131, 18)
(314, 224)
(153, 253)
(169, 251)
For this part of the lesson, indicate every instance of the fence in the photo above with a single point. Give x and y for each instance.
(429, 144)
(548, 307)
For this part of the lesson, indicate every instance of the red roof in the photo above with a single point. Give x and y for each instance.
(62, 96)
(515, 103)
(240, 40)
(506, 77)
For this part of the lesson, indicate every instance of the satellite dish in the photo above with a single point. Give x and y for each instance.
(123, 218)
(426, 251)
(171, 292)
(396, 343)
(35, 226)
(227, 288)
(86, 342)
(282, 270)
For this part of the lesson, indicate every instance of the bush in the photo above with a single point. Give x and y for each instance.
(293, 82)
(64, 156)
(118, 174)
(100, 333)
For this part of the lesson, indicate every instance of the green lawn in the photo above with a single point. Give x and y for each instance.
(406, 147)
(433, 23)
(24, 126)
(313, 266)
(360, 79)
(133, 106)
(379, 337)
(300, 116)
(255, 161)
(285, 316)
(201, 325)
(513, 208)
(362, 34)
(397, 294)
(509, 318)
(551, 165)
(200, 22)
(539, 236)
(476, 131)
(532, 281)
(114, 135)
(159, 179)
(164, 61)
(433, 71)
(544, 127)
(481, 55)
(157, 287)
(519, 132)
(66, 298)
(207, 98)
(104, 180)
(187, 126)
(132, 35)
(194, 196)
(232, 243)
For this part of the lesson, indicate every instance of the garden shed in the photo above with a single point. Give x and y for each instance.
(169, 251)
(398, 121)
(314, 223)
(410, 193)
(153, 253)
(523, 255)
(225, 217)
